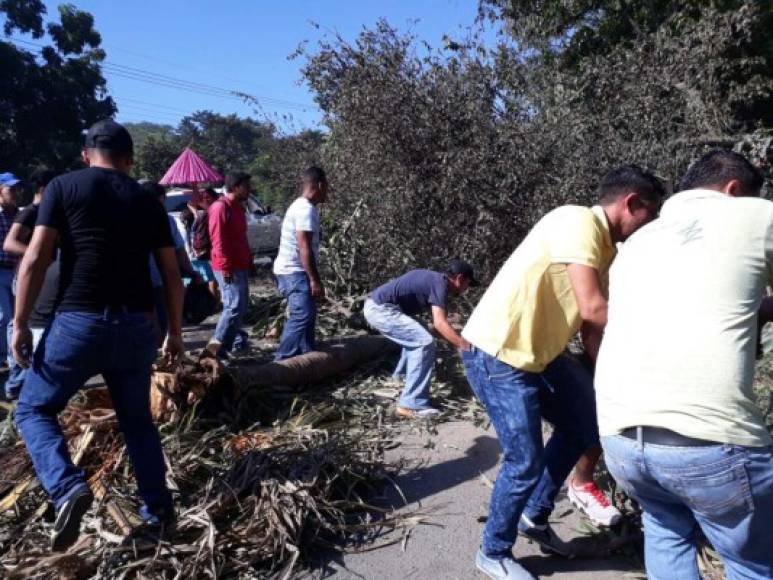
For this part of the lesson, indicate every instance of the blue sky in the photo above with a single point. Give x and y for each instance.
(239, 45)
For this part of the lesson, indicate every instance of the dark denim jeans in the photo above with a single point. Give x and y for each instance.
(236, 298)
(726, 490)
(298, 333)
(516, 402)
(77, 346)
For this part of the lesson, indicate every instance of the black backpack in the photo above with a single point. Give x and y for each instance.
(200, 243)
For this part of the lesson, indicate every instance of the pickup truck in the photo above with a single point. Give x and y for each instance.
(263, 226)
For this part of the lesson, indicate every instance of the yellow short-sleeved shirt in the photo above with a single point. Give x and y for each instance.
(529, 313)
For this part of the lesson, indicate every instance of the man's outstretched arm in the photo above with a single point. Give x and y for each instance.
(444, 328)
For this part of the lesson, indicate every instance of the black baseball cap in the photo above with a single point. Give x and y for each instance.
(109, 135)
(463, 268)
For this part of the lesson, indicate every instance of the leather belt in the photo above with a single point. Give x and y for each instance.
(661, 436)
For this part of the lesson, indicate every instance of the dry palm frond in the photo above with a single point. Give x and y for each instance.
(252, 502)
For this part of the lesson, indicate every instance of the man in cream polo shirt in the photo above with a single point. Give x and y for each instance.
(551, 287)
(680, 428)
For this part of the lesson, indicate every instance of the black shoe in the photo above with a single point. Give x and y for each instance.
(544, 535)
(67, 526)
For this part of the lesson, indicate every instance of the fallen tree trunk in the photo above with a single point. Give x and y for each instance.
(332, 358)
(206, 382)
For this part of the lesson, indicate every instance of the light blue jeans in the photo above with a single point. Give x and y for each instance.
(417, 359)
(726, 490)
(236, 298)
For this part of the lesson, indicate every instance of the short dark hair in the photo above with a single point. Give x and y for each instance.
(41, 177)
(719, 166)
(314, 174)
(631, 178)
(210, 191)
(233, 180)
(154, 189)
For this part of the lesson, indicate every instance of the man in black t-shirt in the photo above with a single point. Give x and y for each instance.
(390, 310)
(15, 244)
(107, 229)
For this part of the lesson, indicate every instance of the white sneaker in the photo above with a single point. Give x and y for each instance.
(501, 568)
(406, 413)
(590, 500)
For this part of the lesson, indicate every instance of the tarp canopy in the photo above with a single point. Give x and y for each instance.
(191, 169)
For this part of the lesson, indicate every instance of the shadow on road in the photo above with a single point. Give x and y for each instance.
(423, 482)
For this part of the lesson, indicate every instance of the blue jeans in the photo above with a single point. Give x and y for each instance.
(77, 346)
(417, 360)
(236, 298)
(516, 401)
(726, 490)
(6, 310)
(298, 334)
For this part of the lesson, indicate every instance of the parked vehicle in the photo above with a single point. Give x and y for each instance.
(264, 227)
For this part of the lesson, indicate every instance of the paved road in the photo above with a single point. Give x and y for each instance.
(447, 483)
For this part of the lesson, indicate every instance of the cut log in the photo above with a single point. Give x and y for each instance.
(177, 389)
(333, 358)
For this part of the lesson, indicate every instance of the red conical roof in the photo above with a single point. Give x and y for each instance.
(189, 168)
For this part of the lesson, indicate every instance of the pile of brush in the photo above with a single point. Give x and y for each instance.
(264, 475)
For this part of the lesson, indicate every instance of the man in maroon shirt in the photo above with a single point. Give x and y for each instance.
(231, 262)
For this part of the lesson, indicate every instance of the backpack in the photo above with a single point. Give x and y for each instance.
(200, 243)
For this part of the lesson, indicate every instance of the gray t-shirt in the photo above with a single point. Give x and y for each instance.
(301, 216)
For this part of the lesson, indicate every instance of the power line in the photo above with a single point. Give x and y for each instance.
(150, 110)
(155, 59)
(157, 105)
(157, 79)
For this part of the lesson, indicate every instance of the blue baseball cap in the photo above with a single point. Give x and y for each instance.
(9, 179)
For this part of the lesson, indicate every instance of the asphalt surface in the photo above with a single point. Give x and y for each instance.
(448, 486)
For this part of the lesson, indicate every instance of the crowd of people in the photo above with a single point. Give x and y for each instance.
(667, 296)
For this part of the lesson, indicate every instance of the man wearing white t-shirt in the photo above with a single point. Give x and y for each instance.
(295, 266)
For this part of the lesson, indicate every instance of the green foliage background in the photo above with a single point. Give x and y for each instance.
(457, 151)
(48, 97)
(230, 143)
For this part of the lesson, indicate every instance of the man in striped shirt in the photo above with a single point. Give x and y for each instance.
(295, 266)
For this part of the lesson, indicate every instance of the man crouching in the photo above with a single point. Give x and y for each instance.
(390, 310)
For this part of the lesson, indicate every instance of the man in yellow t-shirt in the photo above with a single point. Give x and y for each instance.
(551, 287)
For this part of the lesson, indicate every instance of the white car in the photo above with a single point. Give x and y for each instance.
(264, 227)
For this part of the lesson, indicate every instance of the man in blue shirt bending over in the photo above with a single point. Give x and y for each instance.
(391, 308)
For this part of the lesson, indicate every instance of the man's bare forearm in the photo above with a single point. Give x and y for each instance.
(309, 263)
(592, 334)
(449, 333)
(12, 244)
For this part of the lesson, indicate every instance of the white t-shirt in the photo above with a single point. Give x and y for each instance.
(301, 216)
(679, 347)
